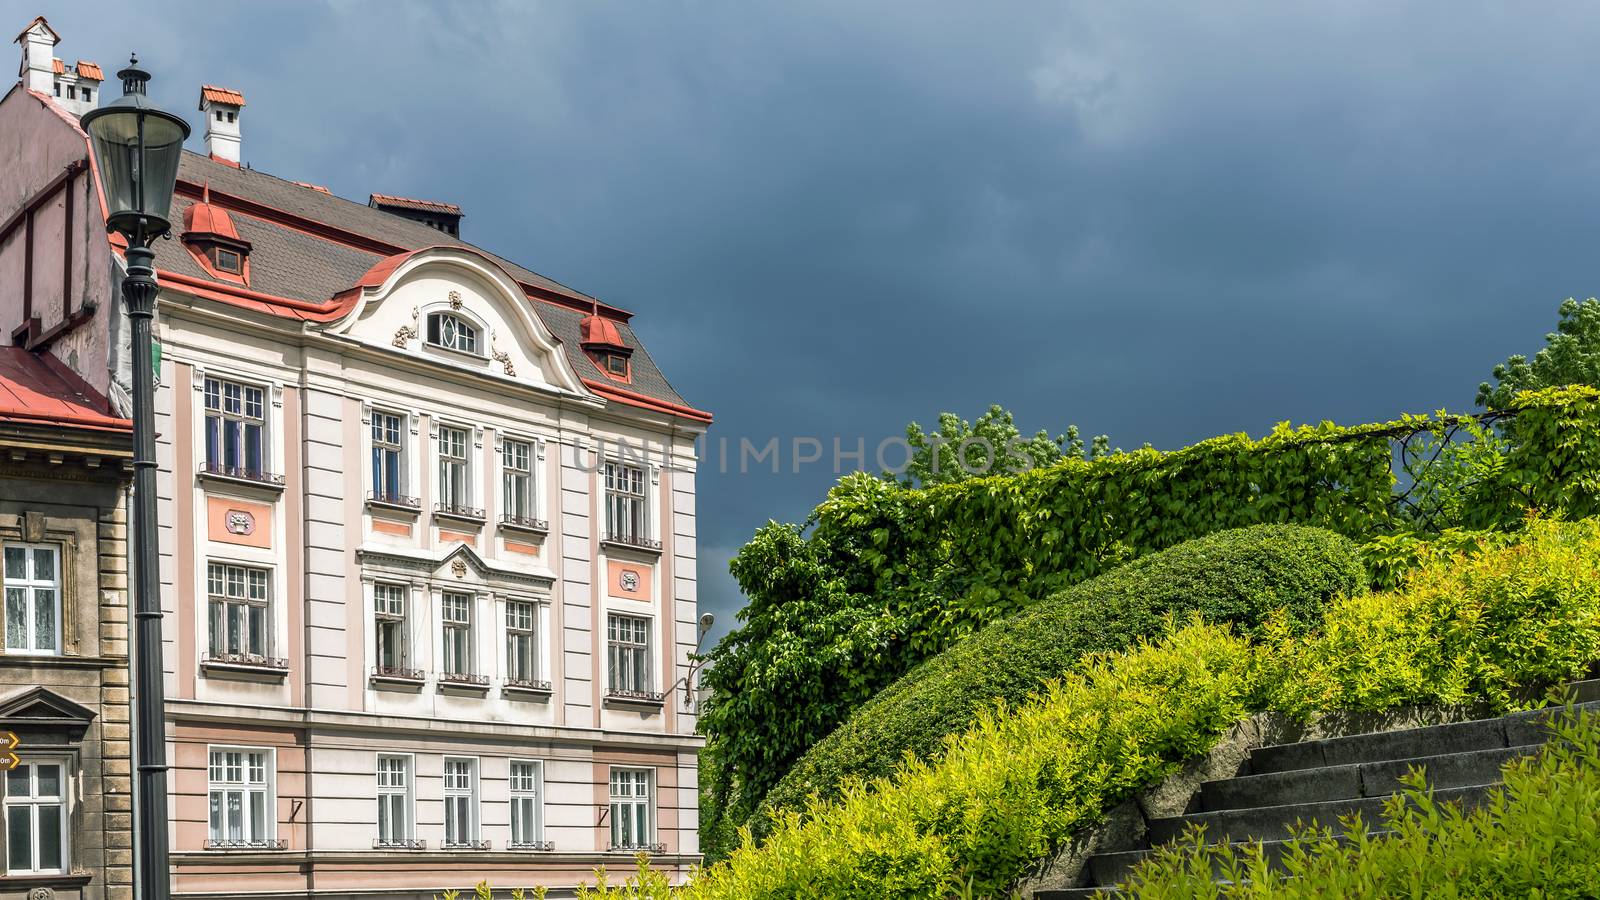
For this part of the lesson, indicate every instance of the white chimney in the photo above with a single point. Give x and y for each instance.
(222, 108)
(38, 70)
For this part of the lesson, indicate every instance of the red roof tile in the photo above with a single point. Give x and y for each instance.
(37, 389)
(88, 69)
(220, 95)
(59, 66)
(411, 203)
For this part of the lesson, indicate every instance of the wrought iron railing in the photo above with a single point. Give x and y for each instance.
(636, 696)
(464, 678)
(459, 512)
(545, 846)
(527, 684)
(399, 500)
(527, 522)
(400, 844)
(262, 844)
(241, 473)
(246, 660)
(631, 540)
(638, 848)
(398, 672)
(466, 845)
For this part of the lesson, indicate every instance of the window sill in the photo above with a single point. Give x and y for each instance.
(394, 502)
(638, 544)
(409, 844)
(228, 476)
(470, 515)
(525, 525)
(636, 699)
(246, 846)
(396, 679)
(466, 684)
(48, 880)
(466, 845)
(538, 846)
(245, 668)
(526, 690)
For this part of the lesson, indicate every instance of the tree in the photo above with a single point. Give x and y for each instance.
(991, 446)
(1571, 356)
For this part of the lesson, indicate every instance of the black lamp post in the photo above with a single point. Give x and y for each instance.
(137, 148)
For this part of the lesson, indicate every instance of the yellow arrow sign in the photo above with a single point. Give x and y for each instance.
(8, 761)
(11, 739)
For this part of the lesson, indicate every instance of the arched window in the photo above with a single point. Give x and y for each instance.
(452, 333)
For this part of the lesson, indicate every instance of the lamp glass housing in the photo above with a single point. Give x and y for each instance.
(137, 147)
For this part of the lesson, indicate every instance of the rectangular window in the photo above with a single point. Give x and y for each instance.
(522, 649)
(456, 619)
(516, 464)
(625, 520)
(32, 581)
(628, 648)
(453, 468)
(388, 456)
(527, 819)
(235, 429)
(241, 606)
(36, 818)
(227, 261)
(389, 613)
(630, 809)
(240, 788)
(394, 800)
(460, 802)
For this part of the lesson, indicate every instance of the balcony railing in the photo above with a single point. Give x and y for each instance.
(400, 501)
(463, 679)
(527, 523)
(263, 844)
(624, 539)
(529, 685)
(240, 473)
(400, 844)
(635, 696)
(245, 660)
(398, 673)
(545, 846)
(458, 512)
(466, 845)
(657, 848)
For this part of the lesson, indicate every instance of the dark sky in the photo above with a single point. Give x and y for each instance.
(1158, 221)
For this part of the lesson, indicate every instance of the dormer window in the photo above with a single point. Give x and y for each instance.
(227, 260)
(616, 363)
(452, 333)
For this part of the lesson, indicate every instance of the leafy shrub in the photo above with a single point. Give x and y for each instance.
(887, 577)
(1535, 837)
(1238, 577)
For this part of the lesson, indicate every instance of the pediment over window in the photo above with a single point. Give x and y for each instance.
(38, 708)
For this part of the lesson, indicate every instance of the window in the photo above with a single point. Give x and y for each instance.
(389, 611)
(219, 115)
(388, 456)
(625, 519)
(394, 800)
(628, 646)
(33, 599)
(460, 802)
(36, 818)
(234, 428)
(231, 115)
(240, 607)
(457, 622)
(522, 653)
(452, 333)
(88, 93)
(527, 823)
(516, 466)
(453, 468)
(227, 260)
(240, 798)
(616, 364)
(630, 809)
(72, 92)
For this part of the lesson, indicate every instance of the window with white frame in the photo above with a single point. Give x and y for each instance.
(522, 648)
(625, 504)
(235, 428)
(527, 818)
(454, 468)
(460, 801)
(456, 621)
(395, 824)
(628, 655)
(36, 818)
(516, 468)
(452, 332)
(240, 599)
(389, 603)
(388, 456)
(631, 821)
(32, 581)
(240, 794)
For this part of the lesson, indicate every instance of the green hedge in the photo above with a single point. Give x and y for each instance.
(1535, 837)
(883, 577)
(1020, 783)
(1233, 577)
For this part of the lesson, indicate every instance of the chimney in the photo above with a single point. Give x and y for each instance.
(222, 107)
(445, 217)
(38, 42)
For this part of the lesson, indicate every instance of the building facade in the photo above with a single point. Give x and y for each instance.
(427, 536)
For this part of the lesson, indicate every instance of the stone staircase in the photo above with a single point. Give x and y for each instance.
(1324, 780)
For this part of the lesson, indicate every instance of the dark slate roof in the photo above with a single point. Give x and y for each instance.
(288, 262)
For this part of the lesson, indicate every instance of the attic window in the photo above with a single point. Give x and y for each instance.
(616, 363)
(227, 260)
(452, 333)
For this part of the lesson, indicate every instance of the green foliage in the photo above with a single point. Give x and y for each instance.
(884, 577)
(644, 884)
(1534, 837)
(1021, 781)
(1571, 355)
(1235, 577)
(990, 446)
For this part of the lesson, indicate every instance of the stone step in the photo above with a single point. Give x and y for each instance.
(1113, 868)
(1084, 893)
(1355, 780)
(1268, 823)
(1515, 730)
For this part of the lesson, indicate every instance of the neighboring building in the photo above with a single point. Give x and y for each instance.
(428, 540)
(64, 661)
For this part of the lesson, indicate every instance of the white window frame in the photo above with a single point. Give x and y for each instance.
(527, 797)
(240, 418)
(455, 471)
(265, 603)
(622, 495)
(519, 487)
(33, 803)
(388, 791)
(245, 786)
(384, 613)
(449, 623)
(29, 588)
(628, 794)
(454, 791)
(380, 444)
(623, 675)
(529, 633)
(434, 332)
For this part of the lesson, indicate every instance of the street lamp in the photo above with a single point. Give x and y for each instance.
(137, 147)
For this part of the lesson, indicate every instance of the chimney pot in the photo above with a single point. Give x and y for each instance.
(223, 107)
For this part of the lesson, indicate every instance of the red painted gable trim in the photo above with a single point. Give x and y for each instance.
(629, 397)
